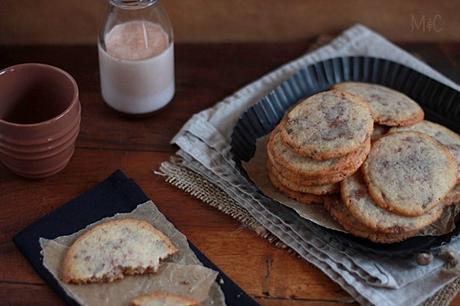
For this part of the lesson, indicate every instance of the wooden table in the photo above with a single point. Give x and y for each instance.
(205, 73)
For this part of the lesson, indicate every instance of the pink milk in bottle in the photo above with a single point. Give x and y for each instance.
(136, 62)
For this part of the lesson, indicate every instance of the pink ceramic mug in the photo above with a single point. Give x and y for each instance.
(39, 119)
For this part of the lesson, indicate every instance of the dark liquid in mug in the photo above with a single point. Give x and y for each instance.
(33, 103)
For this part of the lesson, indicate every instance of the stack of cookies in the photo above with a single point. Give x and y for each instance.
(364, 151)
(320, 141)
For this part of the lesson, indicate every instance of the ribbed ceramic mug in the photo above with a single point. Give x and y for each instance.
(39, 119)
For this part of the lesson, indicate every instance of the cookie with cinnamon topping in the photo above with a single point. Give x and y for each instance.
(327, 125)
(360, 204)
(388, 107)
(442, 134)
(409, 173)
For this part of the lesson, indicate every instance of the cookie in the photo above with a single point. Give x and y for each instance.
(341, 215)
(313, 189)
(442, 134)
(327, 125)
(378, 132)
(453, 197)
(309, 181)
(306, 180)
(388, 107)
(304, 198)
(280, 154)
(409, 173)
(164, 299)
(359, 203)
(301, 178)
(112, 249)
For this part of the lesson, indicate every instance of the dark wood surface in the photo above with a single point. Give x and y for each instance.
(205, 73)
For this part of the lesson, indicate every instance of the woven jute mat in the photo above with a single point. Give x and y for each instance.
(196, 185)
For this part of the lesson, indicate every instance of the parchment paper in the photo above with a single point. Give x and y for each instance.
(256, 169)
(181, 274)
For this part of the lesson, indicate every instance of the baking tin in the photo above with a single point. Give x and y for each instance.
(441, 104)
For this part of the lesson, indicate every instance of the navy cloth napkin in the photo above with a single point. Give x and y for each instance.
(116, 194)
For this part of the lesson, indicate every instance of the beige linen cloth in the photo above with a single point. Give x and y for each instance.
(204, 168)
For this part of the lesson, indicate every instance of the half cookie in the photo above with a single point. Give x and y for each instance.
(110, 250)
(409, 173)
(327, 125)
(389, 107)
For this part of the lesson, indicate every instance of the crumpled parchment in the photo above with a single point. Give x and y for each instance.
(181, 274)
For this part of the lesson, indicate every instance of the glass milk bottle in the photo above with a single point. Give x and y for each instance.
(136, 57)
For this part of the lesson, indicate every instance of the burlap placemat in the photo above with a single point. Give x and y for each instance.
(199, 187)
